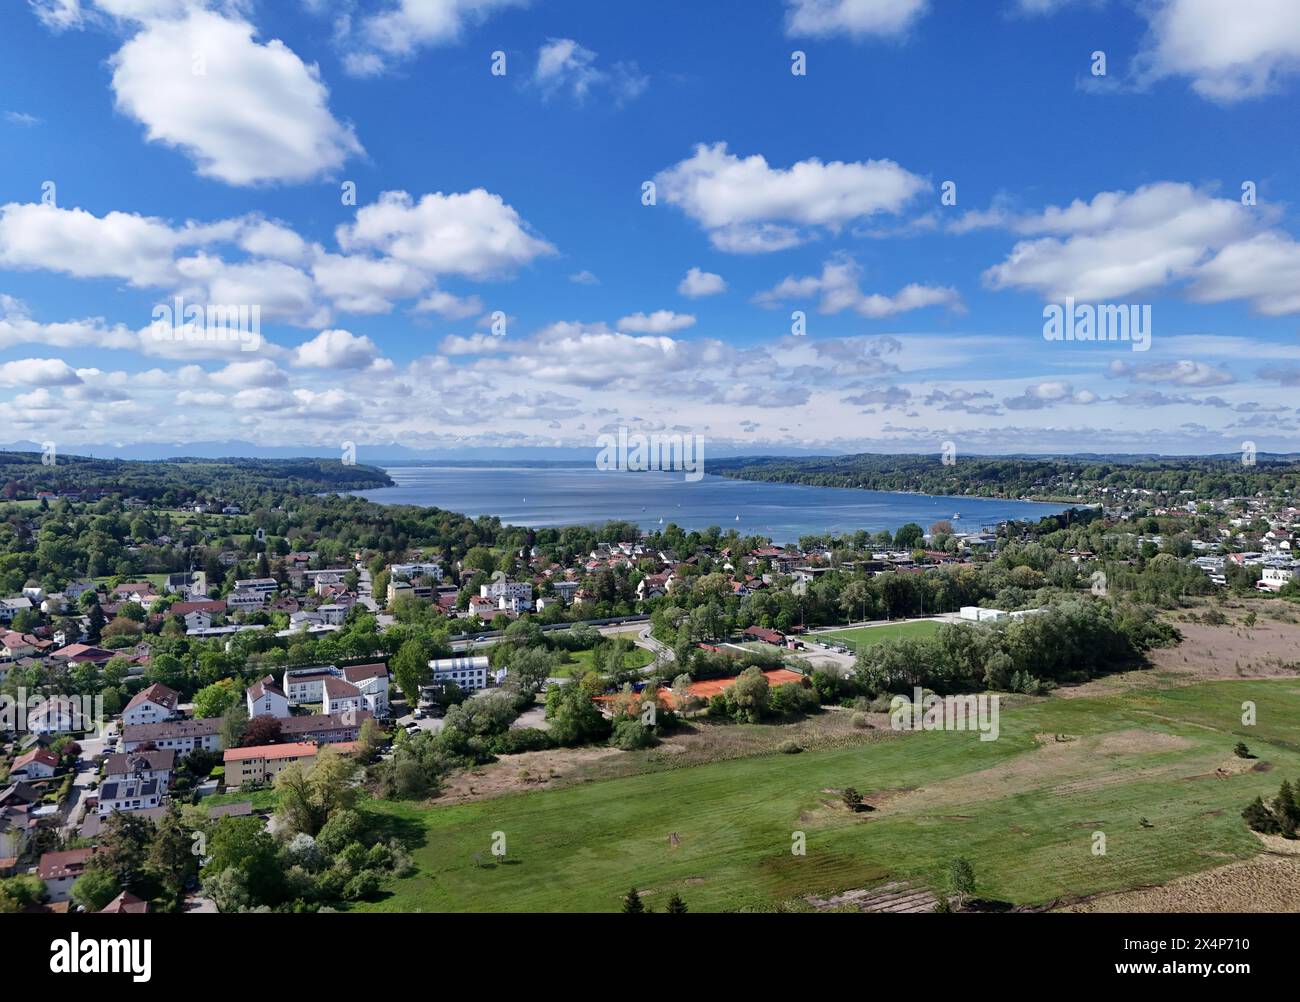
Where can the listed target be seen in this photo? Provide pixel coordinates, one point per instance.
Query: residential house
(484, 608)
(58, 715)
(152, 705)
(263, 586)
(39, 763)
(245, 601)
(468, 673)
(324, 728)
(10, 607)
(129, 795)
(181, 735)
(80, 653)
(20, 795)
(125, 903)
(266, 699)
(60, 870)
(372, 681)
(341, 697)
(307, 685)
(155, 765)
(261, 763)
(1275, 578)
(512, 591)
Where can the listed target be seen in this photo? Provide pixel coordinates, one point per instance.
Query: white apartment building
(469, 673)
(512, 591)
(416, 570)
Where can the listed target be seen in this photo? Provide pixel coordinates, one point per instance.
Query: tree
(908, 536)
(676, 906)
(530, 668)
(95, 888)
(750, 694)
(171, 856)
(215, 700)
(263, 730)
(632, 903)
(410, 668)
(961, 879)
(17, 893)
(124, 848)
(95, 622)
(311, 795)
(241, 845)
(234, 725)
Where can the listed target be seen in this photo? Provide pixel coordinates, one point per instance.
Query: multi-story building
(155, 765)
(372, 681)
(306, 685)
(511, 591)
(412, 571)
(263, 586)
(468, 673)
(152, 705)
(183, 736)
(266, 699)
(129, 795)
(262, 763)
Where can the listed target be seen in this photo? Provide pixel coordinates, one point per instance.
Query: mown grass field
(1022, 808)
(865, 636)
(580, 662)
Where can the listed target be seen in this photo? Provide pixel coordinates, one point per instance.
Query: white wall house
(372, 682)
(266, 699)
(428, 570)
(469, 673)
(129, 795)
(341, 696)
(307, 685)
(152, 705)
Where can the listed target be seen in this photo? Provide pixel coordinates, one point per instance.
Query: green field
(1021, 808)
(580, 662)
(865, 636)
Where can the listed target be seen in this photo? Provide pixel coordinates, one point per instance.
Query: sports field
(1151, 768)
(865, 636)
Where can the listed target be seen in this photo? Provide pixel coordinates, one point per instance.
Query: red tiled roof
(54, 865)
(156, 693)
(301, 749)
(40, 755)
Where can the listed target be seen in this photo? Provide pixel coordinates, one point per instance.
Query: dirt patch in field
(1235, 767)
(1268, 883)
(530, 771)
(1068, 766)
(1135, 742)
(891, 897)
(1270, 649)
(1267, 650)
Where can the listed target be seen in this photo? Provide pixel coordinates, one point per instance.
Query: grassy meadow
(1141, 767)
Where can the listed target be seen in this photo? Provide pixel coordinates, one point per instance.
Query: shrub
(631, 735)
(520, 739)
(789, 748)
(860, 721)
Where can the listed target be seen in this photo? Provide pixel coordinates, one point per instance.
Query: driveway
(76, 802)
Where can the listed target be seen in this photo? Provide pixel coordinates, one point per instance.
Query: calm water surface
(551, 496)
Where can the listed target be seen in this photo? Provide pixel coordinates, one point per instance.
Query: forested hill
(1033, 477)
(238, 481)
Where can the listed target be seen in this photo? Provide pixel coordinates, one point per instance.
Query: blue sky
(200, 149)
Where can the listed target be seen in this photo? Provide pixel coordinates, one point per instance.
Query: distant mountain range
(401, 454)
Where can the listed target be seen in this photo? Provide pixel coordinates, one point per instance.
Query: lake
(557, 496)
